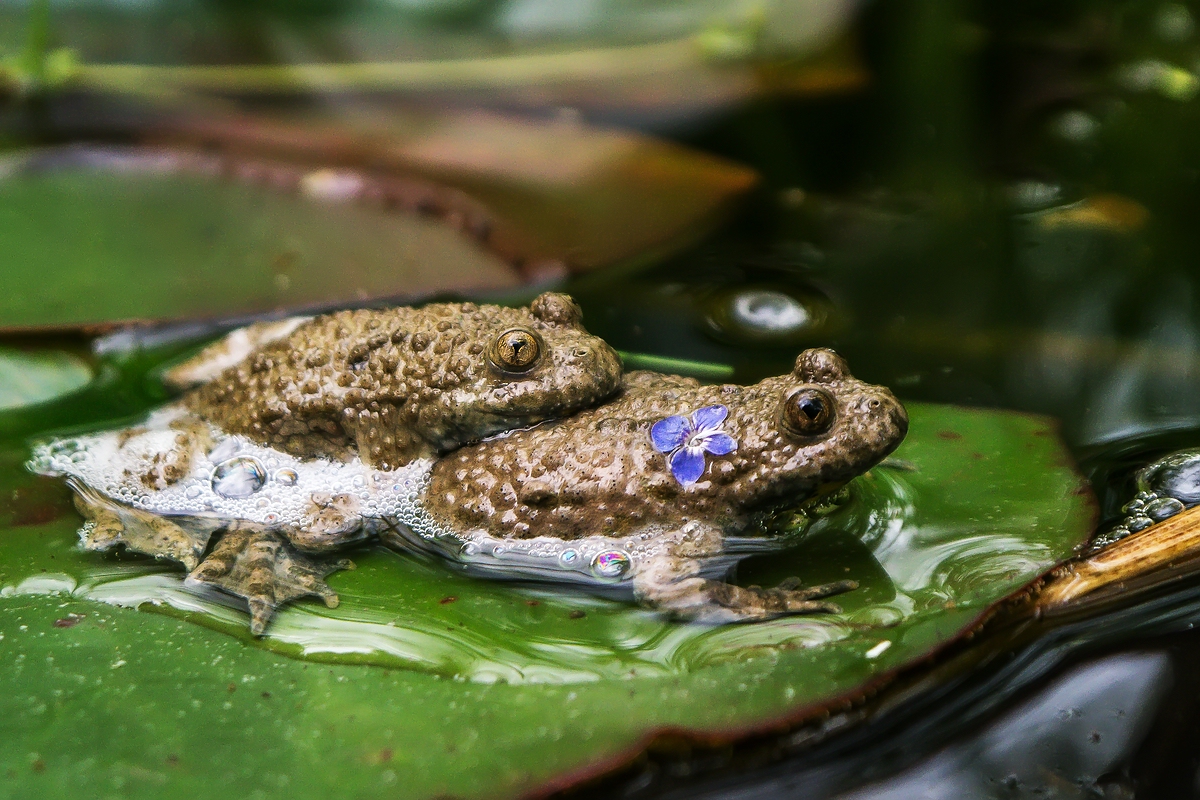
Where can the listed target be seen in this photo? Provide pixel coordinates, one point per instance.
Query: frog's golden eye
(808, 412)
(516, 350)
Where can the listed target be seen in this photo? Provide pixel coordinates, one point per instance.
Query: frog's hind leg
(262, 567)
(110, 523)
(674, 585)
(230, 349)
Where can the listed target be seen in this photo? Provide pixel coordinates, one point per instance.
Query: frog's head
(538, 363)
(798, 435)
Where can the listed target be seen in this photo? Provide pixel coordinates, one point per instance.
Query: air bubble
(611, 564)
(223, 451)
(287, 477)
(238, 477)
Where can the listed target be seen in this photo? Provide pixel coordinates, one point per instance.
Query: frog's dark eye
(516, 350)
(808, 412)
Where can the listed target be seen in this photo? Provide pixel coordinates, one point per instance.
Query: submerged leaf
(35, 376)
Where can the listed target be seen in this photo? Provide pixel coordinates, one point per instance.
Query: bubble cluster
(1166, 487)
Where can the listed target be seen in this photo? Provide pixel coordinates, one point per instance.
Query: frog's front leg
(263, 567)
(673, 584)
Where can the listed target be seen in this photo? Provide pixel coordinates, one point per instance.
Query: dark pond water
(1005, 213)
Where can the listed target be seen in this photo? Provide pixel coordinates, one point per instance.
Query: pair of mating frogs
(507, 440)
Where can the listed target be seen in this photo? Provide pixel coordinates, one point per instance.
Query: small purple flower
(686, 440)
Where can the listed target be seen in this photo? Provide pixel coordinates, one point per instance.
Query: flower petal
(719, 444)
(669, 433)
(709, 417)
(687, 464)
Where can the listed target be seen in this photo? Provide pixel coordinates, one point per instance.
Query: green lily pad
(424, 683)
(199, 244)
(36, 376)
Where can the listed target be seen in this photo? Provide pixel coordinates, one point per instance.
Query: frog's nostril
(581, 352)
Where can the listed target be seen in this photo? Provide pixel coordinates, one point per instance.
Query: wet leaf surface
(425, 683)
(139, 238)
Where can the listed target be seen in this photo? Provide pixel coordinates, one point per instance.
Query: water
(1002, 216)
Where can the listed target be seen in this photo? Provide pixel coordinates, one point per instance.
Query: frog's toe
(812, 607)
(261, 611)
(101, 534)
(792, 587)
(262, 567)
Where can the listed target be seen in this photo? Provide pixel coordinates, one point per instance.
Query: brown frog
(651, 489)
(402, 383)
(285, 422)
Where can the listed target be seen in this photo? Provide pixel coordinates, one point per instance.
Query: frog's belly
(603, 563)
(230, 479)
(225, 477)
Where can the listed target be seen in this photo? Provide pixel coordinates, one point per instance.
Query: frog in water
(349, 392)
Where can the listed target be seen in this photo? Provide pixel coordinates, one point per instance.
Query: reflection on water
(1064, 742)
(616, 641)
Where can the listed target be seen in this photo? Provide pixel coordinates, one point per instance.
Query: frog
(659, 491)
(355, 389)
(651, 495)
(390, 386)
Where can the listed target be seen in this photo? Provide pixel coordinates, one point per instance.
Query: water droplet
(611, 564)
(1163, 508)
(1176, 475)
(1138, 523)
(569, 557)
(769, 311)
(287, 477)
(238, 477)
(224, 451)
(1132, 506)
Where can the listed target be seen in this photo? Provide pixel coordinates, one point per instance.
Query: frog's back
(717, 454)
(395, 384)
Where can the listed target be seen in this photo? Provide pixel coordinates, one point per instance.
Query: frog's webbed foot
(262, 567)
(755, 602)
(110, 523)
(673, 585)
